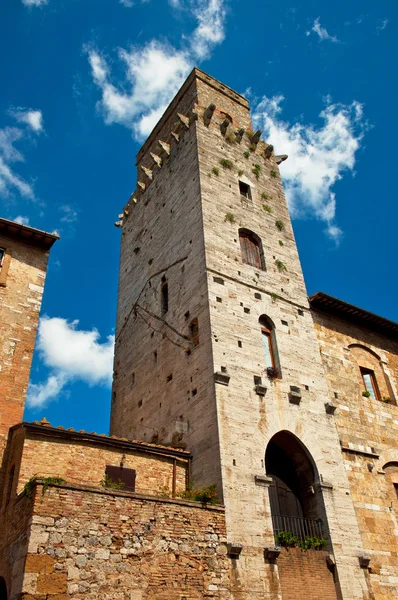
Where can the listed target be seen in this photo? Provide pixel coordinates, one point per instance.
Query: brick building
(225, 372)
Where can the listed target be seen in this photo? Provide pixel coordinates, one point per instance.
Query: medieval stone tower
(215, 343)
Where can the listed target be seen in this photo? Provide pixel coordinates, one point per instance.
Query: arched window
(296, 499)
(3, 589)
(268, 339)
(251, 249)
(372, 379)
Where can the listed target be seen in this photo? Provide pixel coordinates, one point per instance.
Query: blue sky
(83, 82)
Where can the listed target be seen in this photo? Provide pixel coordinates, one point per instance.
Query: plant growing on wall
(387, 400)
(256, 170)
(280, 266)
(281, 243)
(107, 482)
(230, 218)
(206, 495)
(240, 172)
(227, 164)
(366, 394)
(273, 173)
(267, 208)
(47, 481)
(264, 196)
(215, 171)
(280, 225)
(246, 154)
(286, 539)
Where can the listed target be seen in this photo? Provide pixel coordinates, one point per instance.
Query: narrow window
(155, 358)
(133, 380)
(120, 478)
(164, 295)
(396, 489)
(267, 347)
(245, 191)
(2, 254)
(370, 384)
(251, 249)
(194, 331)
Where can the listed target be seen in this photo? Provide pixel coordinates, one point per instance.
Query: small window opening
(120, 476)
(133, 380)
(396, 489)
(2, 254)
(223, 369)
(246, 310)
(257, 380)
(239, 344)
(164, 295)
(218, 299)
(245, 191)
(194, 331)
(370, 383)
(169, 377)
(155, 358)
(139, 403)
(194, 392)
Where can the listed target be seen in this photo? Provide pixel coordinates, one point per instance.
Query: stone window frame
(365, 371)
(4, 265)
(267, 327)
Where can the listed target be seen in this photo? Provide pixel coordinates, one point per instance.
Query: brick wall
(20, 300)
(368, 431)
(304, 575)
(48, 452)
(115, 546)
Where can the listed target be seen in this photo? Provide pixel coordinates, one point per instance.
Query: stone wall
(118, 546)
(21, 290)
(368, 431)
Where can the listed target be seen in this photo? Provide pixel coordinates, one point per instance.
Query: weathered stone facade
(228, 374)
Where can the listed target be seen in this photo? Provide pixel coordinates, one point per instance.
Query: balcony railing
(298, 526)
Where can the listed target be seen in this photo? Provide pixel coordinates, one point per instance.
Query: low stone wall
(304, 575)
(90, 544)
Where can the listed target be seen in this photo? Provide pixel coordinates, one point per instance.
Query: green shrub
(267, 208)
(273, 173)
(286, 539)
(206, 495)
(280, 225)
(215, 171)
(227, 164)
(366, 394)
(107, 482)
(280, 266)
(256, 170)
(230, 218)
(246, 154)
(281, 243)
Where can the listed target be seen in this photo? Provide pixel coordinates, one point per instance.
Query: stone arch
(296, 498)
(3, 589)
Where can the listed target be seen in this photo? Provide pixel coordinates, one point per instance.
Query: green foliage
(164, 492)
(288, 540)
(51, 481)
(281, 243)
(246, 154)
(267, 208)
(264, 196)
(240, 172)
(280, 266)
(230, 218)
(366, 394)
(107, 482)
(273, 173)
(280, 225)
(215, 171)
(387, 400)
(28, 487)
(206, 495)
(227, 164)
(256, 170)
(208, 174)
(274, 296)
(47, 481)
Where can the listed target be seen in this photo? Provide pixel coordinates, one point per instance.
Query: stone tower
(215, 344)
(24, 254)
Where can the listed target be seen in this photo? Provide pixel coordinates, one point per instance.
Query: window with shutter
(251, 249)
(121, 475)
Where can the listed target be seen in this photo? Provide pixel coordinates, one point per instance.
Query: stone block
(52, 584)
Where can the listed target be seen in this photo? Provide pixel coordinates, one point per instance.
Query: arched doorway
(3, 589)
(295, 495)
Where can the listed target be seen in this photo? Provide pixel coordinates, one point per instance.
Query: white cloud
(321, 32)
(156, 71)
(127, 3)
(33, 118)
(9, 180)
(318, 155)
(72, 354)
(383, 25)
(210, 30)
(69, 214)
(22, 220)
(34, 2)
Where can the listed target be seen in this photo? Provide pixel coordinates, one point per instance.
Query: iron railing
(298, 526)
